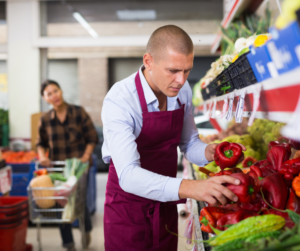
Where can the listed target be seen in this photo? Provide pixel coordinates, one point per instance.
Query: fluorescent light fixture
(130, 15)
(85, 24)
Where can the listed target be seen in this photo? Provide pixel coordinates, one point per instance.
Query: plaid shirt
(68, 139)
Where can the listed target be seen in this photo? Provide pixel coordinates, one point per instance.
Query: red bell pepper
(40, 172)
(249, 161)
(275, 190)
(246, 190)
(265, 167)
(288, 222)
(277, 143)
(228, 155)
(229, 172)
(295, 144)
(256, 205)
(232, 206)
(211, 215)
(277, 155)
(290, 169)
(232, 218)
(293, 202)
(255, 173)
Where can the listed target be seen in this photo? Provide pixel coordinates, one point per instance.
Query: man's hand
(44, 161)
(211, 149)
(211, 190)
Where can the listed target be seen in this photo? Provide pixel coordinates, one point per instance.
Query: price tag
(210, 109)
(213, 114)
(204, 108)
(240, 107)
(256, 101)
(225, 107)
(229, 113)
(5, 180)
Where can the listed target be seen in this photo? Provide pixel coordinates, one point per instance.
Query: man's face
(170, 72)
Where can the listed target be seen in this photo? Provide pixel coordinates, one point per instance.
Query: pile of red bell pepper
(277, 178)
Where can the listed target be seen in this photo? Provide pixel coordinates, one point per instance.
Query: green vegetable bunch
(244, 26)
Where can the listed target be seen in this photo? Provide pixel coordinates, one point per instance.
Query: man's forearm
(186, 189)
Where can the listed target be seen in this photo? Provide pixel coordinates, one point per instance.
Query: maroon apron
(133, 223)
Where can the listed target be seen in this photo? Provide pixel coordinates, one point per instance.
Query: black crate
(241, 73)
(205, 94)
(223, 83)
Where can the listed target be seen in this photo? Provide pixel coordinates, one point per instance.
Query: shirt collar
(149, 94)
(69, 110)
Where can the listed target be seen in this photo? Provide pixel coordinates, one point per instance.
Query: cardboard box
(35, 118)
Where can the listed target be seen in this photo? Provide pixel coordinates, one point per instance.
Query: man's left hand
(211, 149)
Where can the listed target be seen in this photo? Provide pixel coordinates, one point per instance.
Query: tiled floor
(50, 237)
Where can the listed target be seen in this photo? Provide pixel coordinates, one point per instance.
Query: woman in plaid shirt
(67, 132)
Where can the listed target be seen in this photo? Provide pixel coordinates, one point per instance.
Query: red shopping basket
(13, 223)
(13, 235)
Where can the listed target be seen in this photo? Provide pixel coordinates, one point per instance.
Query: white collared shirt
(122, 123)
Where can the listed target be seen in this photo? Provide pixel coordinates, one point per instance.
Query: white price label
(204, 108)
(225, 107)
(5, 180)
(229, 113)
(240, 109)
(213, 114)
(256, 100)
(210, 109)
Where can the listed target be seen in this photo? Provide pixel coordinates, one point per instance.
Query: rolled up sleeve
(88, 128)
(42, 139)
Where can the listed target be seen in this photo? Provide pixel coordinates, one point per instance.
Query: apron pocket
(134, 226)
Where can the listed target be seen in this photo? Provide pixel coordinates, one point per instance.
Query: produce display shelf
(278, 97)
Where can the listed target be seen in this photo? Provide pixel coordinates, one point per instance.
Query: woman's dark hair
(46, 83)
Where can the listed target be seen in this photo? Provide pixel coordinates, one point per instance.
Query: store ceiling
(105, 10)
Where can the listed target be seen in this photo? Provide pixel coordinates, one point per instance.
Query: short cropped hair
(172, 37)
(47, 83)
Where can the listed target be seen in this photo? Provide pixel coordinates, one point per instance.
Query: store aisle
(51, 238)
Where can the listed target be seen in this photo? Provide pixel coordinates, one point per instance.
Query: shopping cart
(39, 209)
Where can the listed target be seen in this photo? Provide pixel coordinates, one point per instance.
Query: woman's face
(53, 95)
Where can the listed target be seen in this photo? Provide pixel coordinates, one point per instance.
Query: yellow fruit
(260, 40)
(235, 58)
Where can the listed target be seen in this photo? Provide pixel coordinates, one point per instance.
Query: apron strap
(140, 91)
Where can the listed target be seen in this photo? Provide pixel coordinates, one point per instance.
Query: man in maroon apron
(141, 141)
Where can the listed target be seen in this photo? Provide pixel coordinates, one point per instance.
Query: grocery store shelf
(278, 97)
(237, 7)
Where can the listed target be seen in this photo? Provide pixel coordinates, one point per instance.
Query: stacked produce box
(256, 58)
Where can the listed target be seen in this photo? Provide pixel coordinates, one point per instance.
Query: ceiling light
(130, 15)
(85, 24)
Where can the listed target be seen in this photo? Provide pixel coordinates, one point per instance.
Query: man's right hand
(45, 162)
(211, 190)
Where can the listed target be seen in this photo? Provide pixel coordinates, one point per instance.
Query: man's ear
(148, 61)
